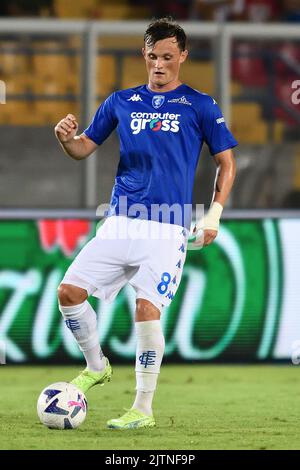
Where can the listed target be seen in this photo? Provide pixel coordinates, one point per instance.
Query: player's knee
(146, 311)
(71, 295)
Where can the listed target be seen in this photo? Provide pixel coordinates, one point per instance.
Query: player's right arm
(77, 147)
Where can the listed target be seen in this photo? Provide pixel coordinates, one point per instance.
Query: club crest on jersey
(158, 101)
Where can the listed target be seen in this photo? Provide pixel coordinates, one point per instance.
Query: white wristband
(212, 219)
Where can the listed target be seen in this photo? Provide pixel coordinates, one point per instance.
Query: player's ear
(183, 55)
(144, 52)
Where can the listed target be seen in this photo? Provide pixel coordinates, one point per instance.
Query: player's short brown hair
(164, 28)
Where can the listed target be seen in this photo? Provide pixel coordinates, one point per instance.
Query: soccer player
(161, 127)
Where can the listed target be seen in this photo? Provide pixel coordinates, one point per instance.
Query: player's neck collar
(164, 92)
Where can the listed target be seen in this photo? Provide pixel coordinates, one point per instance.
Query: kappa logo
(135, 97)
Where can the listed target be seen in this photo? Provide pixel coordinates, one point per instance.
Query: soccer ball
(62, 406)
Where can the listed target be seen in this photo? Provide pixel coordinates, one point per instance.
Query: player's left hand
(207, 228)
(209, 236)
(206, 237)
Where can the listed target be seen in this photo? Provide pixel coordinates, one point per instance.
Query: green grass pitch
(196, 407)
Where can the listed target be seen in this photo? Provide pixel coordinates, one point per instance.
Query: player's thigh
(99, 268)
(160, 271)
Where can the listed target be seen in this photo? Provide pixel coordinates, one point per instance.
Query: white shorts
(146, 254)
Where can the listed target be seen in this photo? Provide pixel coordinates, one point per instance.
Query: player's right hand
(66, 129)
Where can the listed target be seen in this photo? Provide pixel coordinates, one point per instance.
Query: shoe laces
(132, 413)
(84, 374)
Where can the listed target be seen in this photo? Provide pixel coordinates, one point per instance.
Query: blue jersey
(161, 136)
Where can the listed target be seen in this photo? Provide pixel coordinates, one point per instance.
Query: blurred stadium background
(239, 298)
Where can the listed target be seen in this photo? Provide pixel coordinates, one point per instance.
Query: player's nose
(158, 64)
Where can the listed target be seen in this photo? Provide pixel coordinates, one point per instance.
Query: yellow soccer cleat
(133, 419)
(87, 379)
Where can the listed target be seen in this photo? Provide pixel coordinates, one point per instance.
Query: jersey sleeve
(216, 133)
(104, 121)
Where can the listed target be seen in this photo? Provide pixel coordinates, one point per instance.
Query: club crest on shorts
(158, 101)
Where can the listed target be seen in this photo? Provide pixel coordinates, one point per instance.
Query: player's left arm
(225, 175)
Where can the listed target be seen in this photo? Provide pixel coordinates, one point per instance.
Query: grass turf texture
(196, 407)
